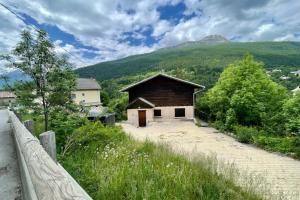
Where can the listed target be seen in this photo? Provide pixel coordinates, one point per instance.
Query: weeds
(110, 165)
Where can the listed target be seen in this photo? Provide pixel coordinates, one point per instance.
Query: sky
(102, 30)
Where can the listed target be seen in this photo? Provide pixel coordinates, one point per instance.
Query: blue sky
(97, 31)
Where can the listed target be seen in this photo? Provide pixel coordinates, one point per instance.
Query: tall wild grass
(110, 165)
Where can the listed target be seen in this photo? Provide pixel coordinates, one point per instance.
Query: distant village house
(296, 73)
(161, 97)
(7, 98)
(297, 89)
(87, 92)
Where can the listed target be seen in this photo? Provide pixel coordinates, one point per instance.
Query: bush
(219, 125)
(245, 134)
(63, 124)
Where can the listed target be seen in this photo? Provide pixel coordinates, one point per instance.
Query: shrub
(219, 125)
(63, 124)
(276, 143)
(245, 134)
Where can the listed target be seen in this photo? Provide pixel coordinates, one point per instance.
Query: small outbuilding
(161, 97)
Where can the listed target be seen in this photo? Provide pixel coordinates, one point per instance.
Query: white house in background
(296, 73)
(297, 89)
(283, 77)
(87, 92)
(276, 70)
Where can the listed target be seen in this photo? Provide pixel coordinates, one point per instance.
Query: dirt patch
(4, 170)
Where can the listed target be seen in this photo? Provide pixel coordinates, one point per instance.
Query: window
(179, 112)
(157, 113)
(82, 94)
(73, 96)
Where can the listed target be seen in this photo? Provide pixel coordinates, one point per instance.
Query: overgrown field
(110, 165)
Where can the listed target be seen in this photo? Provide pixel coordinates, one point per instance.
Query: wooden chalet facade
(161, 97)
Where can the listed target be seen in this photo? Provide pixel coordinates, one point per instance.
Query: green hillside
(273, 54)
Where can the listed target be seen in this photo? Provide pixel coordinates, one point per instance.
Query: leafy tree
(52, 78)
(292, 113)
(245, 95)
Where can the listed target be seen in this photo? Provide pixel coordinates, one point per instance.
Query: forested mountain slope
(197, 55)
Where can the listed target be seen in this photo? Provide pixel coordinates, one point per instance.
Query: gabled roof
(140, 102)
(166, 76)
(7, 94)
(87, 84)
(297, 89)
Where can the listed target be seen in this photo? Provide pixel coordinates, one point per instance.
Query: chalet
(161, 97)
(87, 92)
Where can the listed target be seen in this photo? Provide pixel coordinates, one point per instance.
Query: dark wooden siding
(163, 91)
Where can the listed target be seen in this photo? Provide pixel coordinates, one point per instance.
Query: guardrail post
(48, 141)
(29, 124)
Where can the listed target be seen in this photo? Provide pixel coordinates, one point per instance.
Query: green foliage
(244, 94)
(104, 98)
(119, 107)
(288, 145)
(51, 77)
(210, 59)
(245, 134)
(109, 165)
(292, 114)
(64, 124)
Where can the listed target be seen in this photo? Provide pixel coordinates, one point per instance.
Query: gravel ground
(279, 173)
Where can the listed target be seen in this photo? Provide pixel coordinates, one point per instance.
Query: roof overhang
(143, 103)
(166, 76)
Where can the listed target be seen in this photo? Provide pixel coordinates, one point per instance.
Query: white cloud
(103, 24)
(263, 29)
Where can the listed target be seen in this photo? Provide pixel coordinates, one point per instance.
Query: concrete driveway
(281, 174)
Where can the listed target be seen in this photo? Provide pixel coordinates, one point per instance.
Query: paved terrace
(279, 173)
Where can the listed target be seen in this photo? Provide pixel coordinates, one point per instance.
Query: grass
(110, 165)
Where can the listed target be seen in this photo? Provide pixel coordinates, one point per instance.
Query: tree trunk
(46, 120)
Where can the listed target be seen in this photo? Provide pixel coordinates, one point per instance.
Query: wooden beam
(49, 180)
(48, 141)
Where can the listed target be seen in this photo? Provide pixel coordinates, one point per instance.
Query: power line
(36, 29)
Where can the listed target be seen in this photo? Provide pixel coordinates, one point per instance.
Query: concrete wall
(167, 113)
(87, 97)
(7, 101)
(133, 116)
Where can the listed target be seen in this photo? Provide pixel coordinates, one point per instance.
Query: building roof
(166, 76)
(140, 102)
(7, 94)
(296, 72)
(87, 84)
(297, 89)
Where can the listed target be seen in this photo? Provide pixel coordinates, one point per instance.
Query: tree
(245, 95)
(292, 114)
(51, 77)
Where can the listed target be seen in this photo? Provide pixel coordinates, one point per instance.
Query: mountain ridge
(196, 55)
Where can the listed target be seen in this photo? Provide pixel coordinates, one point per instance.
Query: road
(279, 175)
(10, 183)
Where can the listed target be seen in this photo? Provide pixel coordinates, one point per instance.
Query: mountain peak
(214, 39)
